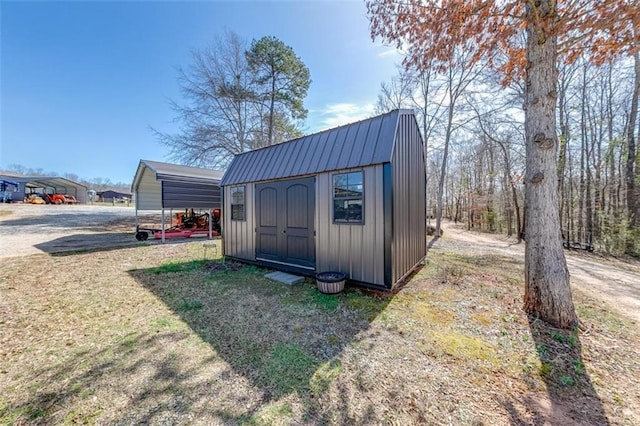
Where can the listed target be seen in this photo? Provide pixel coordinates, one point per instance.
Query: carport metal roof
(159, 185)
(176, 172)
(49, 182)
(45, 182)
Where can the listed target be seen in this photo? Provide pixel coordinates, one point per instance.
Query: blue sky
(81, 82)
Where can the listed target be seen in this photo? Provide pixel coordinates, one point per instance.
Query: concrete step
(283, 277)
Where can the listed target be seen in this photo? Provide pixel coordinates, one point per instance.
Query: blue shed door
(285, 213)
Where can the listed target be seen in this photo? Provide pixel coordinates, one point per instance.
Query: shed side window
(347, 197)
(237, 203)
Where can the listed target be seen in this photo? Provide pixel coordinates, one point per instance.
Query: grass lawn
(157, 334)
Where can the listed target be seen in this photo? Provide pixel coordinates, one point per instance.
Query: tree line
(481, 132)
(514, 137)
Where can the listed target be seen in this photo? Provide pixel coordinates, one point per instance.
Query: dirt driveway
(29, 229)
(616, 281)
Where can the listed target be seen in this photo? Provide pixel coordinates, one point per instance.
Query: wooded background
(483, 188)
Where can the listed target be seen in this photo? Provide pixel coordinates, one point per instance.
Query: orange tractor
(54, 198)
(187, 224)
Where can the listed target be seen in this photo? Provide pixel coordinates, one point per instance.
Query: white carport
(159, 186)
(49, 184)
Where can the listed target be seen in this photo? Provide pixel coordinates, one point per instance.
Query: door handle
(284, 231)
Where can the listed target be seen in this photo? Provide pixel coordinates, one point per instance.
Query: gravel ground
(29, 229)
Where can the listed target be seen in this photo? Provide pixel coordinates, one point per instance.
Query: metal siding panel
(409, 236)
(250, 249)
(369, 243)
(149, 192)
(182, 195)
(356, 250)
(228, 231)
(239, 235)
(322, 224)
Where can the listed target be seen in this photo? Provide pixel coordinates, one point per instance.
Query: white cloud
(334, 115)
(391, 52)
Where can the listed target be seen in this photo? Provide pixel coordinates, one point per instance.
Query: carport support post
(210, 224)
(162, 224)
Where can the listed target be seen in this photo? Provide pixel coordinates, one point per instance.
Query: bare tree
(396, 93)
(224, 113)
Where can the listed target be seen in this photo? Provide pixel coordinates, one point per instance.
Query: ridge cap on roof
(163, 163)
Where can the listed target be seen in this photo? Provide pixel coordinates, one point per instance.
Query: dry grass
(160, 335)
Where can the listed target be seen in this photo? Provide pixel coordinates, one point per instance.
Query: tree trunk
(564, 137)
(633, 202)
(583, 155)
(272, 103)
(547, 290)
(519, 225)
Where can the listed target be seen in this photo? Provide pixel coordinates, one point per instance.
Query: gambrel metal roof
(359, 144)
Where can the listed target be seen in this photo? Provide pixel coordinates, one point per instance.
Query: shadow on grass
(572, 397)
(239, 348)
(84, 243)
(285, 340)
(74, 381)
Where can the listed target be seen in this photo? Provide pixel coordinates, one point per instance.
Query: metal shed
(160, 186)
(349, 199)
(49, 184)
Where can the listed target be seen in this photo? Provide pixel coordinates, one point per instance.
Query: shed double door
(285, 222)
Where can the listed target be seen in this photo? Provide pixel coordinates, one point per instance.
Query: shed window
(237, 203)
(347, 197)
